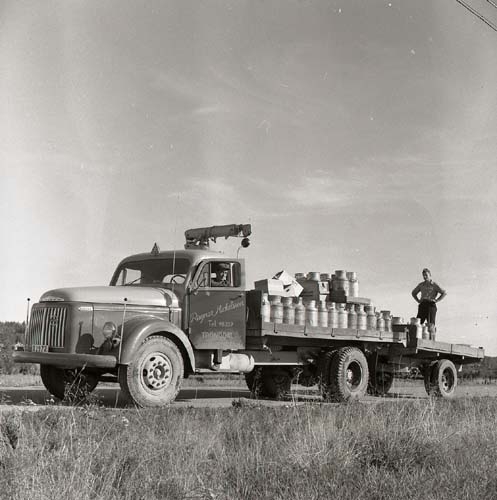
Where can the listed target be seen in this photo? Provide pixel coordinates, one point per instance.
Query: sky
(356, 135)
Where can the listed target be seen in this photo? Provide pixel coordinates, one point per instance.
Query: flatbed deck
(400, 342)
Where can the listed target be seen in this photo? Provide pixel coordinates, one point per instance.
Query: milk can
(342, 316)
(351, 317)
(370, 317)
(288, 310)
(313, 276)
(332, 315)
(380, 322)
(322, 313)
(353, 284)
(388, 320)
(311, 313)
(265, 308)
(419, 328)
(341, 282)
(361, 317)
(299, 276)
(299, 312)
(276, 309)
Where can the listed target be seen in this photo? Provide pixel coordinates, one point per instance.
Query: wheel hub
(447, 381)
(157, 371)
(354, 375)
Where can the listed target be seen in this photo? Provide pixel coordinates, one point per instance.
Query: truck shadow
(110, 397)
(215, 397)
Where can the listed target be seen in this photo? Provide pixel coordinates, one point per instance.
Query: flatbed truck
(164, 317)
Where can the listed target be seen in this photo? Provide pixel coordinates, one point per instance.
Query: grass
(423, 449)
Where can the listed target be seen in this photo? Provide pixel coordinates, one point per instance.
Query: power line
(477, 14)
(492, 3)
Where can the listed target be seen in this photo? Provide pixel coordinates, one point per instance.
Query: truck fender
(137, 329)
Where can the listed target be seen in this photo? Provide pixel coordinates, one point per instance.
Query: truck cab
(212, 312)
(164, 316)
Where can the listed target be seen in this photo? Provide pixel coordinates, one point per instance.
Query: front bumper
(64, 360)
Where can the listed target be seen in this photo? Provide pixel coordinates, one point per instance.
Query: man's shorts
(427, 310)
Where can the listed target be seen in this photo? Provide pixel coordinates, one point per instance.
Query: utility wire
(492, 3)
(477, 14)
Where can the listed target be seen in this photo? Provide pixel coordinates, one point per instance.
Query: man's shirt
(429, 290)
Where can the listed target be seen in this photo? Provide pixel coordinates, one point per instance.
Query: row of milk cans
(294, 311)
(340, 280)
(423, 331)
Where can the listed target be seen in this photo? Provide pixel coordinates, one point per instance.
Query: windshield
(155, 272)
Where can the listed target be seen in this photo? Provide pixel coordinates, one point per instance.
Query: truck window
(219, 275)
(155, 272)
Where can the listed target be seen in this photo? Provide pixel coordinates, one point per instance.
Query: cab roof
(193, 255)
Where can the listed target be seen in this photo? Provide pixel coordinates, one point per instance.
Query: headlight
(109, 330)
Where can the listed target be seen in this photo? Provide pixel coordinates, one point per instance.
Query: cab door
(217, 314)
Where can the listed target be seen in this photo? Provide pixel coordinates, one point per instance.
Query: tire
(269, 382)
(348, 374)
(153, 377)
(441, 380)
(380, 383)
(276, 382)
(252, 379)
(68, 385)
(324, 385)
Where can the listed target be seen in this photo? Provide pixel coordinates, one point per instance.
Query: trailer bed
(400, 342)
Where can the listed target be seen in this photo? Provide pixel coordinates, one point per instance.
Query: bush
(11, 333)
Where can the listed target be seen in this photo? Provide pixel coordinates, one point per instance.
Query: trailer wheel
(348, 374)
(324, 363)
(380, 383)
(269, 381)
(153, 377)
(68, 385)
(440, 379)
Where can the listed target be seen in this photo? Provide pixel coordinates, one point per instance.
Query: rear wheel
(252, 380)
(440, 379)
(69, 385)
(154, 376)
(380, 382)
(348, 374)
(324, 385)
(269, 381)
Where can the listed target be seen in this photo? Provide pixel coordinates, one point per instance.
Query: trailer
(348, 363)
(168, 315)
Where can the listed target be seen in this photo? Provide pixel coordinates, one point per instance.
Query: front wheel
(153, 377)
(69, 385)
(440, 379)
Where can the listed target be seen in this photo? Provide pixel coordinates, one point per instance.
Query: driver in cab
(222, 277)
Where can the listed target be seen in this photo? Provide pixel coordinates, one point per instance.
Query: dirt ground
(36, 397)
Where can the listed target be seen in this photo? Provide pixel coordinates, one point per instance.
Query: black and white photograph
(248, 249)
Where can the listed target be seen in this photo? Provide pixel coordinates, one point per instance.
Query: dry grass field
(401, 449)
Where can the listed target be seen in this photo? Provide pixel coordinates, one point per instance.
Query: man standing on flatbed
(431, 293)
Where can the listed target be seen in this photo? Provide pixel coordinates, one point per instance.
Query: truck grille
(46, 328)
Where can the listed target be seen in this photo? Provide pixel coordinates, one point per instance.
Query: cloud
(210, 110)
